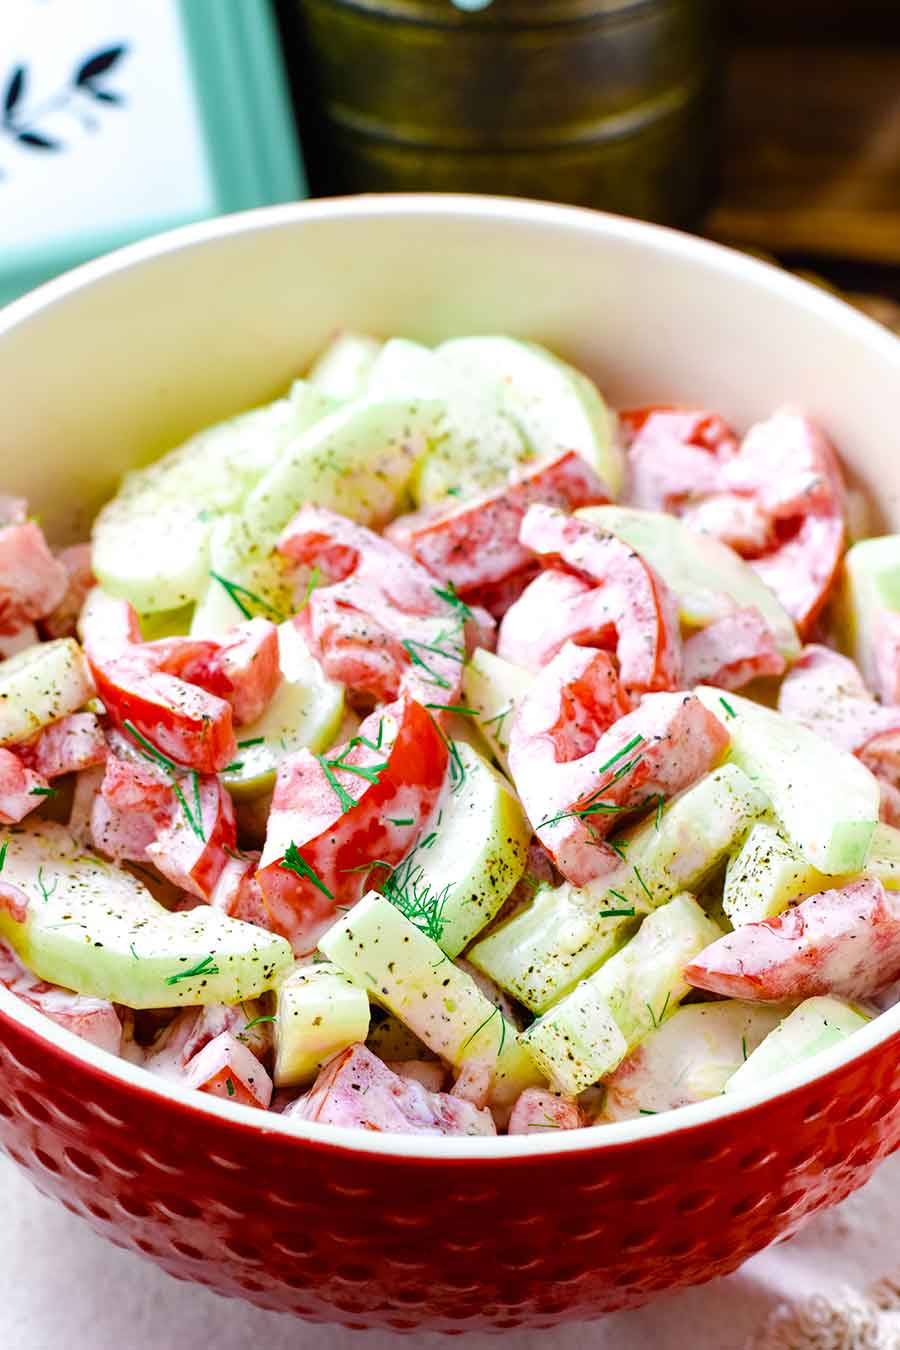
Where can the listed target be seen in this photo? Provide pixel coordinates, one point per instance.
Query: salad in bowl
(436, 750)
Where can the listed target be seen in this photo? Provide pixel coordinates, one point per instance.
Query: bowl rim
(511, 212)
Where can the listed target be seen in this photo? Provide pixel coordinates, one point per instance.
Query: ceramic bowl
(117, 361)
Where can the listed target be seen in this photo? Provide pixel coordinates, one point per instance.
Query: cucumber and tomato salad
(382, 761)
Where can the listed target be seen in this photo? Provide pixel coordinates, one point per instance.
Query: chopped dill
(172, 769)
(643, 885)
(235, 593)
(315, 578)
(254, 740)
(400, 820)
(454, 708)
(449, 596)
(42, 792)
(499, 718)
(727, 706)
(407, 891)
(642, 1110)
(133, 952)
(256, 1021)
(293, 861)
(627, 912)
(234, 767)
(618, 848)
(229, 1083)
(45, 893)
(660, 802)
(495, 1012)
(744, 1047)
(205, 967)
(409, 646)
(3, 853)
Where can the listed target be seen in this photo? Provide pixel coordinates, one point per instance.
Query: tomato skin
(567, 752)
(625, 604)
(357, 1090)
(380, 627)
(668, 424)
(477, 545)
(731, 651)
(189, 861)
(333, 843)
(844, 941)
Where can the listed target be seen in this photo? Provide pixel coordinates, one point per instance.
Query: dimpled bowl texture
(118, 361)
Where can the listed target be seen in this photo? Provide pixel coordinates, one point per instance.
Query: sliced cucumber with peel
(826, 800)
(816, 1025)
(541, 953)
(591, 1030)
(318, 1013)
(40, 685)
(151, 541)
(342, 368)
(493, 687)
(707, 577)
(245, 578)
(94, 928)
(406, 971)
(477, 445)
(555, 406)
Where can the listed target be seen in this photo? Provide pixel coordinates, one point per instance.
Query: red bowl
(409, 1232)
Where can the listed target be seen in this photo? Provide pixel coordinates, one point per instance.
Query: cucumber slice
(305, 711)
(766, 875)
(883, 861)
(408, 973)
(708, 578)
(689, 1058)
(94, 928)
(826, 801)
(591, 1031)
(319, 1012)
(478, 853)
(41, 684)
(493, 687)
(477, 444)
(555, 406)
(341, 370)
(543, 951)
(245, 578)
(816, 1025)
(390, 1040)
(357, 461)
(151, 541)
(871, 585)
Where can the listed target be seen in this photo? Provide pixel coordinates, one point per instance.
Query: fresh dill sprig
(205, 967)
(413, 896)
(618, 848)
(293, 861)
(235, 593)
(449, 596)
(657, 1021)
(409, 645)
(172, 769)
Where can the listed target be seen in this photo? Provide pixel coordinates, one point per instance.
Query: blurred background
(771, 126)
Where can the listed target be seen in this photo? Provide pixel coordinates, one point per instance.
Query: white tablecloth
(830, 1288)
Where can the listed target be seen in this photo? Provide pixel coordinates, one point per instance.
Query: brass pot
(608, 103)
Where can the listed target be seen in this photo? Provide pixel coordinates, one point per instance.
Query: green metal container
(609, 103)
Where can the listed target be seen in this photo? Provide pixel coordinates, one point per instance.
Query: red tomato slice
(32, 582)
(384, 626)
(666, 744)
(328, 822)
(192, 851)
(844, 942)
(627, 598)
(673, 454)
(537, 1110)
(63, 619)
(73, 743)
(731, 651)
(477, 544)
(21, 789)
(228, 1068)
(357, 1090)
(93, 1019)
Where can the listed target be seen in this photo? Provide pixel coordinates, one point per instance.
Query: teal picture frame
(250, 138)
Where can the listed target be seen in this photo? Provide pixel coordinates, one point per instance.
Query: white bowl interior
(116, 362)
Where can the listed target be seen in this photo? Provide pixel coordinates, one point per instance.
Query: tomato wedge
(477, 545)
(73, 743)
(21, 789)
(93, 1019)
(625, 606)
(577, 766)
(32, 581)
(844, 942)
(333, 817)
(731, 651)
(673, 454)
(384, 626)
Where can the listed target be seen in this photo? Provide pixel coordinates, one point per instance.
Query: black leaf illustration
(37, 142)
(14, 90)
(98, 63)
(103, 95)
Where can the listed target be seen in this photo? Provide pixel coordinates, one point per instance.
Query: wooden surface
(811, 162)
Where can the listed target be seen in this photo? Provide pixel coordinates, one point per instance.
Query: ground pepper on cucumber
(380, 761)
